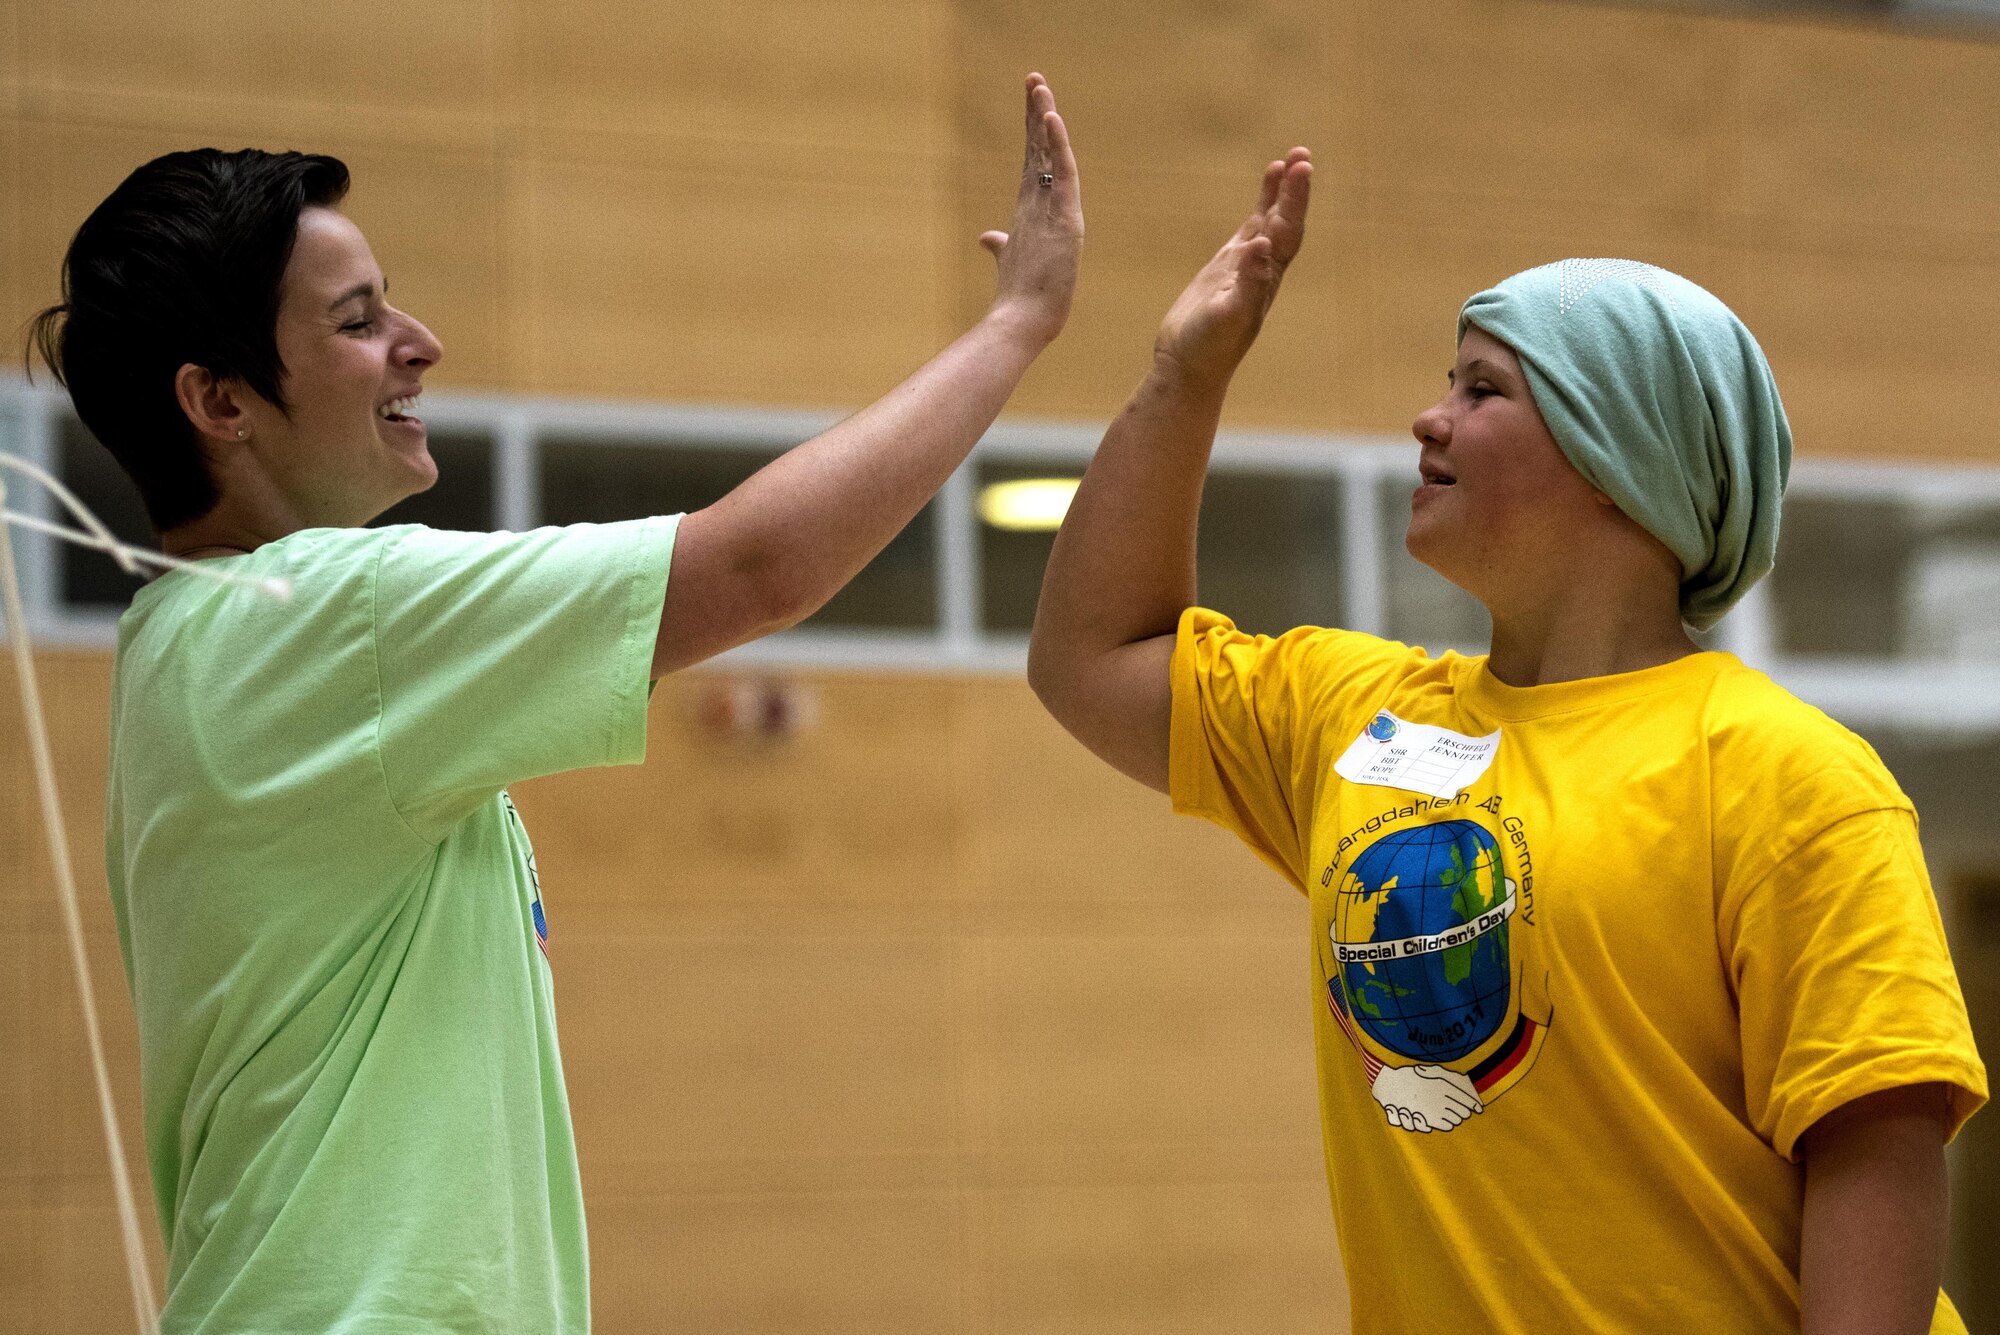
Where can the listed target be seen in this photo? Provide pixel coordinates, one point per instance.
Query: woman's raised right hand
(1216, 318)
(1038, 258)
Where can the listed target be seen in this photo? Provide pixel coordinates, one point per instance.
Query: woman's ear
(211, 404)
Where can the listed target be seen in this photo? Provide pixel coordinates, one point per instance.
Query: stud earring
(240, 434)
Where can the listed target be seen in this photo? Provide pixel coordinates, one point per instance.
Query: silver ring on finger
(1047, 179)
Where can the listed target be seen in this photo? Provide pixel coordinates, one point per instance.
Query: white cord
(138, 1270)
(126, 557)
(276, 586)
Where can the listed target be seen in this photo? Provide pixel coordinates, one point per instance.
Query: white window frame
(1950, 699)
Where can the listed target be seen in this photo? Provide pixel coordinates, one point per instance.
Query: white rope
(97, 536)
(276, 587)
(126, 557)
(130, 559)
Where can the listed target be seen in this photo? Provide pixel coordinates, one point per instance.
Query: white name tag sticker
(1416, 757)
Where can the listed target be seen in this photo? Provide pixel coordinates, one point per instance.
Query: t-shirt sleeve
(1844, 983)
(1249, 715)
(504, 656)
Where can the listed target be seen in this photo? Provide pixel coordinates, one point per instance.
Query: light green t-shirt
(331, 921)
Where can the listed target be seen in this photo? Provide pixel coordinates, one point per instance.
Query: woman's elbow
(1048, 669)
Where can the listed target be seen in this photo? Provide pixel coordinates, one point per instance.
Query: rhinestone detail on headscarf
(1579, 278)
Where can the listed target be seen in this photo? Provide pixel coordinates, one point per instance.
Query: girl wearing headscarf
(1633, 1009)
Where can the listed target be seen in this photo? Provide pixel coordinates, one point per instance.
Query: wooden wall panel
(429, 59)
(792, 1044)
(64, 171)
(23, 1288)
(1191, 89)
(1172, 121)
(1875, 354)
(1531, 131)
(865, 75)
(75, 691)
(10, 45)
(1521, 115)
(13, 305)
(55, 1179)
(1866, 241)
(1103, 1039)
(1022, 780)
(25, 1079)
(782, 1263)
(1181, 1254)
(860, 810)
(679, 269)
(1888, 162)
(1149, 231)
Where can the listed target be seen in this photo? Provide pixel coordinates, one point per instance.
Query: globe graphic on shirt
(1426, 1000)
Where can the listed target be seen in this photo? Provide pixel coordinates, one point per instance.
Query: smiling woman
(182, 264)
(344, 444)
(1613, 939)
(330, 910)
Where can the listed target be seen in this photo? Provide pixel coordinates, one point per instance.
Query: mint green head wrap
(1660, 397)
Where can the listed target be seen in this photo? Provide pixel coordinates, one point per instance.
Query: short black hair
(183, 262)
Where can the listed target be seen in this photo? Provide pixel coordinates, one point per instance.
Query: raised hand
(1038, 258)
(1216, 318)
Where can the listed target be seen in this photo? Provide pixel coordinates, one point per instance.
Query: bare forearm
(1873, 1238)
(771, 552)
(816, 515)
(1123, 567)
(1122, 571)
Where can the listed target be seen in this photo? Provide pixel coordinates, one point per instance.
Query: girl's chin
(1417, 538)
(1426, 544)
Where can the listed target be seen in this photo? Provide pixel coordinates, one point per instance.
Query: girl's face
(1498, 496)
(352, 444)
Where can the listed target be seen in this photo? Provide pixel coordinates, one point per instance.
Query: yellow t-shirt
(1587, 960)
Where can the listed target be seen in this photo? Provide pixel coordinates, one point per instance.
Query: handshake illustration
(1425, 1098)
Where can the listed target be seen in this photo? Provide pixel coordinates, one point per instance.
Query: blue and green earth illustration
(1439, 1004)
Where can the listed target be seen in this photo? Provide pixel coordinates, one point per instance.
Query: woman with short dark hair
(181, 265)
(354, 1104)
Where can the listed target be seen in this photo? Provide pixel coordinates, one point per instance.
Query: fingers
(1461, 1095)
(1048, 146)
(1285, 219)
(1281, 203)
(1062, 162)
(1049, 177)
(1037, 88)
(1414, 1119)
(1040, 102)
(1267, 194)
(1294, 187)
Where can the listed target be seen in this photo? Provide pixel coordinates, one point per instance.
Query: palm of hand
(1037, 259)
(1216, 318)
